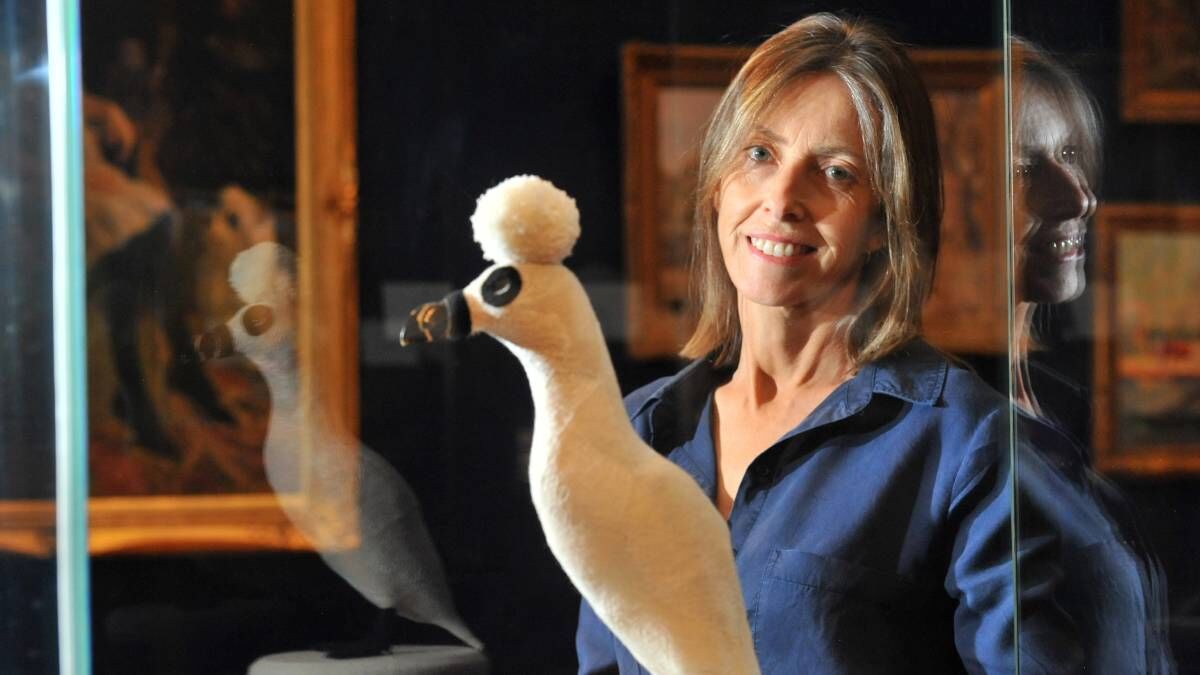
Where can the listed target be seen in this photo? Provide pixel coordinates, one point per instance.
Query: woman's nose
(1059, 193)
(786, 195)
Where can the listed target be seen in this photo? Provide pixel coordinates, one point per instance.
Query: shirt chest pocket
(820, 614)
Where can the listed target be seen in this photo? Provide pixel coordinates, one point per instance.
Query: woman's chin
(1054, 290)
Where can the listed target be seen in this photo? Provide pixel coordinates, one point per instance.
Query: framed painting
(670, 92)
(1147, 353)
(1160, 61)
(668, 95)
(965, 313)
(208, 128)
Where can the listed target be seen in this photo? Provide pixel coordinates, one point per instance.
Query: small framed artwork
(669, 95)
(209, 128)
(965, 313)
(1147, 354)
(1160, 60)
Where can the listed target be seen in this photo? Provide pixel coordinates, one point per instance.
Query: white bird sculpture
(633, 532)
(394, 565)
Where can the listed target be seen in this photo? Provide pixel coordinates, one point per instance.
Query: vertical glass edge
(1010, 309)
(70, 390)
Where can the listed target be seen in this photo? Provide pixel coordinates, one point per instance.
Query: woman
(1112, 586)
(862, 474)
(1057, 154)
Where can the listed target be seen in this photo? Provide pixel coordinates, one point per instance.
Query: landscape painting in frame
(669, 95)
(1148, 339)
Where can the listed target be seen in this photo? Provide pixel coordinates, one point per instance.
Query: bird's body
(392, 562)
(635, 534)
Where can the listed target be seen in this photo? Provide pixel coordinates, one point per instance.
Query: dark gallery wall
(453, 97)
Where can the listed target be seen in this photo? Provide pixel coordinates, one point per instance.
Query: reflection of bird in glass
(394, 564)
(635, 534)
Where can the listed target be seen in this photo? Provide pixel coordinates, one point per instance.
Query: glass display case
(220, 456)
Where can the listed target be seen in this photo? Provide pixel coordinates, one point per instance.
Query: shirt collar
(916, 372)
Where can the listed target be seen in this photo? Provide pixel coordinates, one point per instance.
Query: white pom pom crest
(526, 219)
(264, 273)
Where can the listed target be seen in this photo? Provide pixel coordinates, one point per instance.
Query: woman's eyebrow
(824, 149)
(768, 135)
(832, 150)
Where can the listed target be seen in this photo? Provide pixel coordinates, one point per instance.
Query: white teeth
(773, 248)
(1068, 243)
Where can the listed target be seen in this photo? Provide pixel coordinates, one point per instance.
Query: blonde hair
(900, 143)
(1037, 72)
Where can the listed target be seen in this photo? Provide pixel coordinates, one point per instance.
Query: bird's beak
(214, 344)
(447, 319)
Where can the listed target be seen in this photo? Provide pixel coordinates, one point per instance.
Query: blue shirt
(874, 537)
(1112, 586)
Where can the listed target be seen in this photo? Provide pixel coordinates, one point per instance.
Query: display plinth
(403, 660)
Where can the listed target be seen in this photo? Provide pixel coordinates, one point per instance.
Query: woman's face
(794, 214)
(1054, 203)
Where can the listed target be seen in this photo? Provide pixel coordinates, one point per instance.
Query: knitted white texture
(634, 532)
(525, 219)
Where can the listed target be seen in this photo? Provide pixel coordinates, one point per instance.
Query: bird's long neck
(305, 451)
(292, 418)
(572, 384)
(280, 371)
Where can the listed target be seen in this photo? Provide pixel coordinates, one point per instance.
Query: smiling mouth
(779, 249)
(1066, 243)
(1063, 248)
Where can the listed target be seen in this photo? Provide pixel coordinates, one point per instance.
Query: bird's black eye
(257, 319)
(501, 287)
(232, 219)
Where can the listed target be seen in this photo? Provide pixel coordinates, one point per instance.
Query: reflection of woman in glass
(861, 473)
(1057, 135)
(1111, 586)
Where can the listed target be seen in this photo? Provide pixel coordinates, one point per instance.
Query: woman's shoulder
(638, 399)
(945, 392)
(936, 377)
(688, 388)
(665, 412)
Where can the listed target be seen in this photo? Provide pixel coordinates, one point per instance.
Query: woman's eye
(758, 153)
(838, 173)
(1069, 154)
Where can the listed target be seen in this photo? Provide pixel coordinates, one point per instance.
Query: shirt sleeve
(594, 644)
(981, 576)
